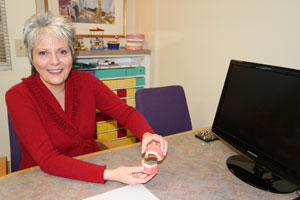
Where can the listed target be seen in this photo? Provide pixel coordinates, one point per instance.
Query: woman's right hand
(127, 175)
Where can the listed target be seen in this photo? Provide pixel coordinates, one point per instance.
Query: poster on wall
(109, 15)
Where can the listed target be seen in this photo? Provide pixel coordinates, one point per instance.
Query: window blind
(5, 57)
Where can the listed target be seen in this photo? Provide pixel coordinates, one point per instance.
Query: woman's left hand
(149, 138)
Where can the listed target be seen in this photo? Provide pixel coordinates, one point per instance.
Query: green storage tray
(140, 81)
(109, 73)
(140, 70)
(131, 71)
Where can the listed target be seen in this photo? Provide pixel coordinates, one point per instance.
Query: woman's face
(52, 59)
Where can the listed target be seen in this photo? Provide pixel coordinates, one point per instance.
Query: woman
(53, 110)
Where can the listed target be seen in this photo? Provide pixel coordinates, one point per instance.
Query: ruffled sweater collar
(65, 121)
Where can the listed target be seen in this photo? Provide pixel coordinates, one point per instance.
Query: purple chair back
(165, 109)
(15, 149)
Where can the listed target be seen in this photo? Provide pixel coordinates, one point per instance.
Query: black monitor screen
(259, 114)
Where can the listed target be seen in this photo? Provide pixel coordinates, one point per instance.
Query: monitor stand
(257, 176)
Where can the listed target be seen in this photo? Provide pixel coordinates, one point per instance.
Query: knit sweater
(50, 136)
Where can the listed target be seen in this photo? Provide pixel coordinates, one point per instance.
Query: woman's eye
(42, 53)
(63, 52)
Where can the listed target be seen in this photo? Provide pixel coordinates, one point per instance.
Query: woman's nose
(54, 60)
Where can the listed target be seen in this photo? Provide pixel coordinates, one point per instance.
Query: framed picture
(87, 15)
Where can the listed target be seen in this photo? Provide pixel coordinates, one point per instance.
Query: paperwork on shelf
(136, 192)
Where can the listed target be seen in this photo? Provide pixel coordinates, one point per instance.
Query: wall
(147, 22)
(20, 65)
(197, 39)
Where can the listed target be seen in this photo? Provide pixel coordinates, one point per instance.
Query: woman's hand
(127, 175)
(149, 138)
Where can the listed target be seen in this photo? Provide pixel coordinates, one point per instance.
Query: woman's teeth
(55, 70)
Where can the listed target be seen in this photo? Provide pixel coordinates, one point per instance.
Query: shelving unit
(124, 72)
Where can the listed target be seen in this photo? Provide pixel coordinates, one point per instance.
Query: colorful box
(131, 102)
(140, 81)
(106, 126)
(108, 135)
(109, 73)
(110, 83)
(122, 93)
(130, 92)
(131, 71)
(140, 70)
(131, 82)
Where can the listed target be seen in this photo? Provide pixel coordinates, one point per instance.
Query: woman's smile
(55, 71)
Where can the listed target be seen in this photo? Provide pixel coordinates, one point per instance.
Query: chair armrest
(105, 144)
(3, 166)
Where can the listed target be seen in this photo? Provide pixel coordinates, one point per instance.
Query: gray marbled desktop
(192, 169)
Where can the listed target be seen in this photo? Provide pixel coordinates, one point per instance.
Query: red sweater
(50, 137)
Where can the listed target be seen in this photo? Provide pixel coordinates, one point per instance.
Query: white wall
(17, 11)
(197, 39)
(147, 23)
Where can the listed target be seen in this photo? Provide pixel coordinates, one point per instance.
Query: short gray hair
(41, 24)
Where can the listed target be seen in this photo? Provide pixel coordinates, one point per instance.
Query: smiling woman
(55, 120)
(37, 27)
(52, 59)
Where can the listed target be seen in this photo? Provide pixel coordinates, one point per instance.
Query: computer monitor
(259, 115)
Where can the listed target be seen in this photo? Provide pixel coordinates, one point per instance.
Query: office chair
(165, 109)
(15, 149)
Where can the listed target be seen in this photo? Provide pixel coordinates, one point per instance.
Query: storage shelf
(123, 61)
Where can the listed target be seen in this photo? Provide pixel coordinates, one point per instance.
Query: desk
(193, 169)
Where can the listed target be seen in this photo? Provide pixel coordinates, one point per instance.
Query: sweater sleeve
(111, 104)
(24, 114)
